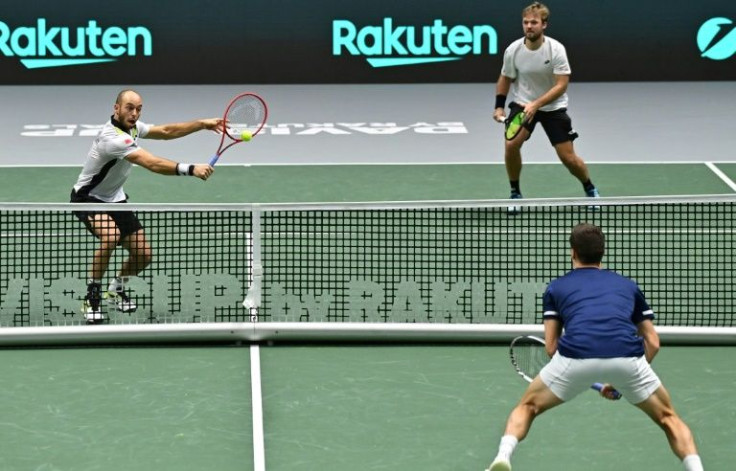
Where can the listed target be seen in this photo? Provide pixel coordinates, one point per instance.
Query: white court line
(259, 447)
(721, 175)
(266, 163)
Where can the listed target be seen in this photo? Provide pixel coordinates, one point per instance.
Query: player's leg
(558, 126)
(537, 399)
(105, 229)
(512, 157)
(512, 152)
(140, 254)
(133, 240)
(658, 407)
(573, 162)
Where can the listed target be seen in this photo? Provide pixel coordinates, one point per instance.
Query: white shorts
(633, 377)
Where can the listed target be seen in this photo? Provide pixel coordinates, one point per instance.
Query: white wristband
(185, 169)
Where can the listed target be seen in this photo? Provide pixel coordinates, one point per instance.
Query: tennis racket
(514, 125)
(244, 118)
(528, 356)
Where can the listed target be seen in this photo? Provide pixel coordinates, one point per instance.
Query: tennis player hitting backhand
(106, 169)
(537, 67)
(609, 336)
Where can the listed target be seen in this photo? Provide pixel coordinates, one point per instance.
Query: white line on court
(721, 175)
(259, 447)
(266, 163)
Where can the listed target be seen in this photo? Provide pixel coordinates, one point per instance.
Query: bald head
(127, 95)
(127, 110)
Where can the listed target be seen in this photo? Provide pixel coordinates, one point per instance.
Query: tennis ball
(246, 136)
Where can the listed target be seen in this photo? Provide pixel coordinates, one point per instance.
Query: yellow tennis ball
(246, 136)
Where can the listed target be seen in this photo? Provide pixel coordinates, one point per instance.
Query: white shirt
(533, 72)
(106, 169)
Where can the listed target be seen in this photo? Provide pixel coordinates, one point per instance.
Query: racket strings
(246, 114)
(530, 358)
(514, 125)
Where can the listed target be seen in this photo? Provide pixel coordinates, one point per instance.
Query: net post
(252, 299)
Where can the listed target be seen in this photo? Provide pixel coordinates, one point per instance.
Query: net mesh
(199, 271)
(461, 263)
(480, 265)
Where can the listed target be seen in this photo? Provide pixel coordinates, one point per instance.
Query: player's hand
(213, 124)
(499, 116)
(608, 392)
(203, 171)
(530, 109)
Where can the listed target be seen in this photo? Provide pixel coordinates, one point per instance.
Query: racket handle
(213, 160)
(599, 387)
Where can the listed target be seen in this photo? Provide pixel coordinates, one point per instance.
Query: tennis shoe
(593, 193)
(91, 305)
(500, 464)
(120, 301)
(92, 312)
(514, 209)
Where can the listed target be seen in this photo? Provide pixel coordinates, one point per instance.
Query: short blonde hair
(537, 8)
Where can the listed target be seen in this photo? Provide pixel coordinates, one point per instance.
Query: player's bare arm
(502, 88)
(177, 130)
(647, 332)
(552, 332)
(164, 166)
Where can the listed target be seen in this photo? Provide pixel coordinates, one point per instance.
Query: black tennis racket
(528, 357)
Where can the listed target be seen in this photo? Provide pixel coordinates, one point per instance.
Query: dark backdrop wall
(293, 41)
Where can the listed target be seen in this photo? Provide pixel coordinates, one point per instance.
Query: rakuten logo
(388, 45)
(56, 46)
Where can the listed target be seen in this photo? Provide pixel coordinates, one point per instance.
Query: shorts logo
(716, 40)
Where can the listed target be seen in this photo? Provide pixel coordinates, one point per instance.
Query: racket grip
(213, 160)
(599, 387)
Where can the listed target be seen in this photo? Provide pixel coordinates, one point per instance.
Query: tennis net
(434, 262)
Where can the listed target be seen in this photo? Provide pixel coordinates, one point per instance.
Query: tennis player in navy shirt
(608, 337)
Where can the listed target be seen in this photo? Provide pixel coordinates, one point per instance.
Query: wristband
(500, 101)
(185, 169)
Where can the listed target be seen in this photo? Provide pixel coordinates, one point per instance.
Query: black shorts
(557, 124)
(126, 221)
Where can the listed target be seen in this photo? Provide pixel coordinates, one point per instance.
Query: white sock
(506, 448)
(117, 283)
(692, 463)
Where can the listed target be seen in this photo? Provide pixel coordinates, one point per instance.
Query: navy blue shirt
(599, 311)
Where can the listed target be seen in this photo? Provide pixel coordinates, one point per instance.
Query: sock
(588, 185)
(118, 283)
(515, 186)
(692, 463)
(506, 448)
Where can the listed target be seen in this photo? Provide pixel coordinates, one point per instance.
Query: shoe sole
(500, 467)
(112, 301)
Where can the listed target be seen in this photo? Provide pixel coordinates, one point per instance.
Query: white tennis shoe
(500, 464)
(92, 314)
(514, 209)
(120, 301)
